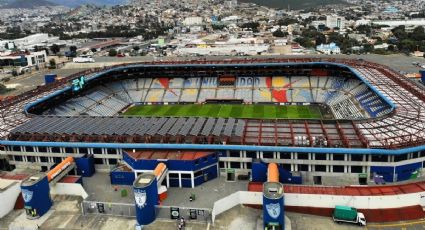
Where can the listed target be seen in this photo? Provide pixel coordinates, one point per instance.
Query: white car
(84, 59)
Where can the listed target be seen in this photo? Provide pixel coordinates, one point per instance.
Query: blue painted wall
(146, 214)
(37, 196)
(273, 211)
(387, 172)
(122, 178)
(174, 182)
(85, 166)
(259, 174)
(259, 171)
(211, 173)
(404, 172)
(174, 165)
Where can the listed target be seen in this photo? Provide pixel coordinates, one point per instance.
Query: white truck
(345, 214)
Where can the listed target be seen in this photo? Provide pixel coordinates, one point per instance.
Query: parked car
(84, 59)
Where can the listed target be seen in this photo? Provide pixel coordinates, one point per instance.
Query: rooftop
(169, 155)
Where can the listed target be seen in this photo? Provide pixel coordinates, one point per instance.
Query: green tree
(52, 63)
(3, 89)
(279, 33)
(364, 29)
(112, 53)
(94, 50)
(251, 25)
(55, 48)
(287, 21)
(368, 48)
(320, 39)
(73, 49)
(305, 42)
(418, 34)
(217, 26)
(407, 45)
(136, 48)
(399, 32)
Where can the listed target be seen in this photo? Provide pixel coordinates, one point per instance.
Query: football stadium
(315, 119)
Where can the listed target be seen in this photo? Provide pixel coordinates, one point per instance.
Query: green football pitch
(226, 111)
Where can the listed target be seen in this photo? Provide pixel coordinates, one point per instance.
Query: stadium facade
(376, 122)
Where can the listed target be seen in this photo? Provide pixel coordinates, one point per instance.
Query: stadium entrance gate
(162, 212)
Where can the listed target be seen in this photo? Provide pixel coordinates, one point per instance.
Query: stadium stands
(348, 97)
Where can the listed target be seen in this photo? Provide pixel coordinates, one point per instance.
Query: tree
(305, 42)
(407, 45)
(3, 89)
(217, 26)
(73, 49)
(286, 21)
(112, 53)
(136, 48)
(368, 48)
(279, 33)
(251, 25)
(418, 34)
(364, 29)
(52, 63)
(320, 39)
(55, 48)
(94, 50)
(399, 32)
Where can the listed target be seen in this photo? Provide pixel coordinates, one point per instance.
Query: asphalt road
(399, 62)
(29, 81)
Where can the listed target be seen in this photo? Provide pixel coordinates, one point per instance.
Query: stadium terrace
(327, 117)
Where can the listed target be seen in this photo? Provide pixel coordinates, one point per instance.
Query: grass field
(225, 111)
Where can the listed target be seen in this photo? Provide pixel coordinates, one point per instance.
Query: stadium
(278, 127)
(318, 118)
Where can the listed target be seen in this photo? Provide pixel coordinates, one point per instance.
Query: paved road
(410, 225)
(400, 62)
(30, 81)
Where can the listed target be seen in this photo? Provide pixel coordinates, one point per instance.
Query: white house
(331, 48)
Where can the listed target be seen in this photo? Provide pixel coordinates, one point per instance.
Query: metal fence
(162, 212)
(108, 208)
(189, 214)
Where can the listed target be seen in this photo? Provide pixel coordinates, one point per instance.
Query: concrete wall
(237, 198)
(360, 202)
(8, 198)
(74, 189)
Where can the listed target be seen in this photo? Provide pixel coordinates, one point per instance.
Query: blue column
(36, 195)
(145, 197)
(273, 205)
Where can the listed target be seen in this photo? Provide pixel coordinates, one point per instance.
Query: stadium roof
(149, 126)
(405, 127)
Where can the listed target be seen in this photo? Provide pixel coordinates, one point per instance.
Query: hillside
(27, 4)
(76, 3)
(294, 4)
